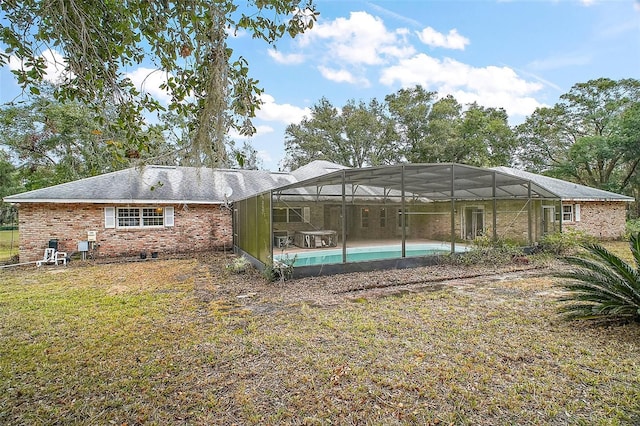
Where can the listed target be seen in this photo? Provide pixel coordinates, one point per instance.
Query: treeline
(591, 136)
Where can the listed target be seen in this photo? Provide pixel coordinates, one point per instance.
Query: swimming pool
(362, 254)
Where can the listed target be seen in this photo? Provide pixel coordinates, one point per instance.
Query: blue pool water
(361, 254)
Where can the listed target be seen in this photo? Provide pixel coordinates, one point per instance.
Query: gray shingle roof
(191, 185)
(160, 184)
(566, 190)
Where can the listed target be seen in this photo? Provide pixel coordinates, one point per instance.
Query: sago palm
(602, 285)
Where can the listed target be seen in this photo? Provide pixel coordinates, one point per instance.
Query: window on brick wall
(571, 212)
(291, 214)
(138, 217)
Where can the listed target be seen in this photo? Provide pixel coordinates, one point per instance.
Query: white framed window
(567, 212)
(138, 217)
(291, 214)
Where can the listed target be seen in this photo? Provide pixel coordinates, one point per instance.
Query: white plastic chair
(49, 256)
(60, 256)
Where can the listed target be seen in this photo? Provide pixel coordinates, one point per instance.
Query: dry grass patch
(170, 342)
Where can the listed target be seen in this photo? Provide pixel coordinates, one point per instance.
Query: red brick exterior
(196, 228)
(605, 221)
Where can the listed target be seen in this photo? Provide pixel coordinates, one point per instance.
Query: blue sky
(518, 55)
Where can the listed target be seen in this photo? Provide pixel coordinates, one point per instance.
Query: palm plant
(602, 285)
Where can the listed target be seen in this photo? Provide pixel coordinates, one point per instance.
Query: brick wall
(196, 228)
(605, 221)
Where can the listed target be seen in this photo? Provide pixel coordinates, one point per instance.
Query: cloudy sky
(517, 55)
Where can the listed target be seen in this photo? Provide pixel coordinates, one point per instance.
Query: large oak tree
(186, 40)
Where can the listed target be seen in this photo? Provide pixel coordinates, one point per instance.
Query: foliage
(632, 227)
(357, 135)
(410, 125)
(602, 285)
(566, 242)
(474, 135)
(239, 265)
(245, 157)
(53, 142)
(281, 269)
(8, 186)
(485, 251)
(184, 40)
(589, 137)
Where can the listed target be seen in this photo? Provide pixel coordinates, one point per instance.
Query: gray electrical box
(83, 245)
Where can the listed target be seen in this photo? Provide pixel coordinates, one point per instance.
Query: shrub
(632, 227)
(485, 251)
(281, 269)
(239, 265)
(602, 285)
(566, 242)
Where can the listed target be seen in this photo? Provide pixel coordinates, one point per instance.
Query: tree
(358, 135)
(444, 131)
(409, 108)
(245, 157)
(8, 186)
(587, 137)
(484, 138)
(53, 142)
(186, 40)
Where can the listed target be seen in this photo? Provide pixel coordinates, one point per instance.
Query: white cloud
(342, 76)
(361, 39)
(284, 113)
(490, 86)
(149, 80)
(433, 38)
(288, 59)
(55, 71)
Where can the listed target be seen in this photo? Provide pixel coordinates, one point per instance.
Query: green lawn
(170, 342)
(8, 245)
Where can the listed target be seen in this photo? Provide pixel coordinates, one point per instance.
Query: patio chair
(49, 256)
(61, 257)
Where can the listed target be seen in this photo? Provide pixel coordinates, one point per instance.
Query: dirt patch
(251, 291)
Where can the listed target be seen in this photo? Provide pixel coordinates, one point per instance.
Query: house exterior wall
(196, 228)
(603, 220)
(432, 221)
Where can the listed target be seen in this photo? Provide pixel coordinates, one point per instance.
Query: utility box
(92, 235)
(83, 245)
